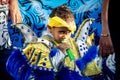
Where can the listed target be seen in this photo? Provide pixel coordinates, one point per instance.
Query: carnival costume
(42, 60)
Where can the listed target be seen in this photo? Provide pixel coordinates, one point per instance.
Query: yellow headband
(58, 22)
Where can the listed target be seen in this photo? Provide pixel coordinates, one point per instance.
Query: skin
(106, 45)
(14, 10)
(60, 34)
(2, 2)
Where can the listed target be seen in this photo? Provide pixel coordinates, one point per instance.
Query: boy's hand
(63, 47)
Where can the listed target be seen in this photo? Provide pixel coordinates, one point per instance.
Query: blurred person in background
(9, 9)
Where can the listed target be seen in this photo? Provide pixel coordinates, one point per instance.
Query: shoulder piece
(50, 39)
(83, 29)
(37, 55)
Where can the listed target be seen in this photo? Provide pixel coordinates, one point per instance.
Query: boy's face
(60, 33)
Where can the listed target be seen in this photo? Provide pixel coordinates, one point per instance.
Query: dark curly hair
(63, 12)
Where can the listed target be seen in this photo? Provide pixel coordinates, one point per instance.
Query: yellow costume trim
(38, 55)
(58, 22)
(81, 26)
(90, 40)
(91, 69)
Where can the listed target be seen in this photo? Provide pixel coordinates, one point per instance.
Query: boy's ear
(49, 28)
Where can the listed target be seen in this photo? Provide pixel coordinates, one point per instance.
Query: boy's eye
(62, 32)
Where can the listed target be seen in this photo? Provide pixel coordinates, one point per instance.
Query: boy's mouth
(63, 41)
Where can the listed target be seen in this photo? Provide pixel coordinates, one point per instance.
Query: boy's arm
(57, 57)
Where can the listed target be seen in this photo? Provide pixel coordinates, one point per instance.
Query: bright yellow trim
(36, 53)
(58, 22)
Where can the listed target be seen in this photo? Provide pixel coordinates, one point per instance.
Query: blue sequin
(42, 40)
(84, 48)
(45, 59)
(36, 54)
(28, 30)
(81, 49)
(80, 45)
(83, 37)
(44, 64)
(85, 33)
(32, 34)
(87, 28)
(22, 27)
(33, 60)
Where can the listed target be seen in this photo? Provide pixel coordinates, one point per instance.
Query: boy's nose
(65, 36)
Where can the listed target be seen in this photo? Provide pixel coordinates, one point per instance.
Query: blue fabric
(43, 75)
(53, 52)
(16, 65)
(4, 54)
(107, 71)
(18, 68)
(88, 57)
(66, 74)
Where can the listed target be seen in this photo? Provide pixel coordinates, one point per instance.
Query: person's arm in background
(15, 11)
(106, 46)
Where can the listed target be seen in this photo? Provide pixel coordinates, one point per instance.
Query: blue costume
(42, 60)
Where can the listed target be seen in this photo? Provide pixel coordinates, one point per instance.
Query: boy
(47, 59)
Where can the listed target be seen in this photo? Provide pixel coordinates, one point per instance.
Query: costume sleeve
(37, 55)
(57, 56)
